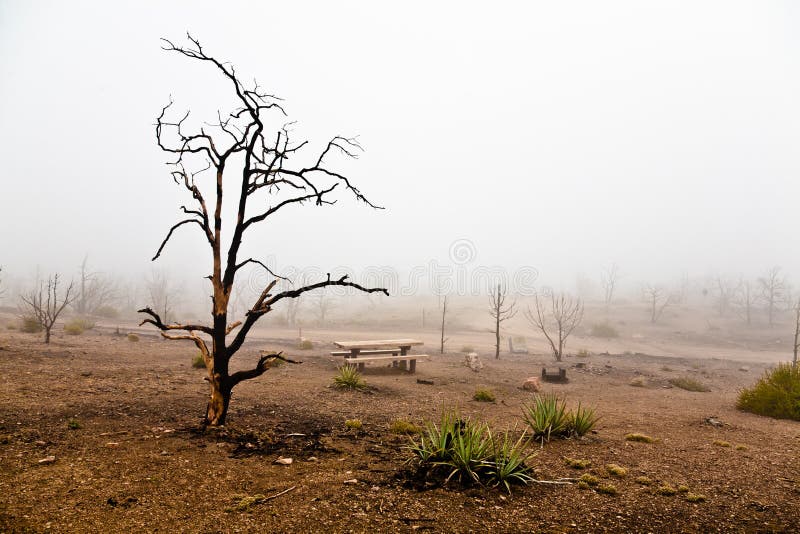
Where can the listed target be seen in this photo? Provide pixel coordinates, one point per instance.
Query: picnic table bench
(394, 350)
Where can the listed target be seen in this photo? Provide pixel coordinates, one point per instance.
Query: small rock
(744, 369)
(47, 460)
(472, 361)
(284, 461)
(40, 443)
(312, 459)
(375, 488)
(532, 384)
(164, 453)
(112, 444)
(351, 481)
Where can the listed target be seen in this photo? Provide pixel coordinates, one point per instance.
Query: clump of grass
(11, 326)
(348, 377)
(245, 502)
(667, 369)
(616, 470)
(695, 497)
(73, 424)
(305, 344)
(108, 312)
(576, 463)
(603, 330)
(401, 426)
(776, 394)
(741, 447)
(198, 362)
(607, 489)
(583, 485)
(133, 338)
(582, 353)
(30, 325)
(466, 451)
(77, 326)
(582, 420)
(353, 424)
(721, 443)
(589, 480)
(638, 382)
(467, 348)
(689, 384)
(644, 481)
(483, 395)
(666, 490)
(641, 438)
(683, 488)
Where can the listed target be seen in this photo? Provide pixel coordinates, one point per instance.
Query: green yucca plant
(508, 461)
(582, 420)
(546, 416)
(348, 377)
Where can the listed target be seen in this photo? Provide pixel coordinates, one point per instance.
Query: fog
(537, 137)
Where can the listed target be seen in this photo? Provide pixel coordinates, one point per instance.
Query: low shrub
(30, 325)
(641, 438)
(695, 497)
(589, 480)
(607, 489)
(689, 384)
(683, 488)
(603, 330)
(467, 348)
(483, 395)
(666, 490)
(77, 326)
(73, 424)
(644, 481)
(353, 424)
(348, 377)
(401, 426)
(305, 344)
(583, 353)
(721, 443)
(776, 394)
(575, 463)
(616, 470)
(198, 362)
(638, 382)
(132, 337)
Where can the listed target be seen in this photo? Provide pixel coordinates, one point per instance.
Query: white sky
(663, 136)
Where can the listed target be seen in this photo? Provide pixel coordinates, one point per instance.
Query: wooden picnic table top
(377, 344)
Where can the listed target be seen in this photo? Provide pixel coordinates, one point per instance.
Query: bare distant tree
(444, 316)
(95, 289)
(500, 312)
(268, 175)
(43, 303)
(608, 280)
(2, 291)
(744, 299)
(556, 317)
(724, 291)
(658, 299)
(162, 294)
(772, 291)
(323, 305)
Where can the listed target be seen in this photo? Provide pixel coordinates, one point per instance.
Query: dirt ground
(138, 462)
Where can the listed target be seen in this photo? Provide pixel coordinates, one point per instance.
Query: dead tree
(2, 291)
(772, 286)
(94, 290)
(658, 299)
(724, 293)
(744, 299)
(556, 319)
(608, 280)
(500, 312)
(444, 317)
(162, 295)
(238, 144)
(323, 305)
(46, 305)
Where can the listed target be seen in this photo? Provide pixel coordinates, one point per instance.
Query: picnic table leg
(354, 356)
(403, 352)
(394, 362)
(412, 367)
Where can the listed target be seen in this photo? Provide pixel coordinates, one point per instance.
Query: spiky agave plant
(508, 464)
(546, 416)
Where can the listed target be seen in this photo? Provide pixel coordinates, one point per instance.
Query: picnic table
(394, 350)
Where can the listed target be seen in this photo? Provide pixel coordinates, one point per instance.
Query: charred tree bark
(261, 169)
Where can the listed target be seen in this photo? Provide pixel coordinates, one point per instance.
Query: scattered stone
(351, 481)
(424, 381)
(313, 459)
(744, 369)
(638, 382)
(40, 443)
(472, 361)
(284, 461)
(532, 384)
(112, 444)
(713, 421)
(47, 460)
